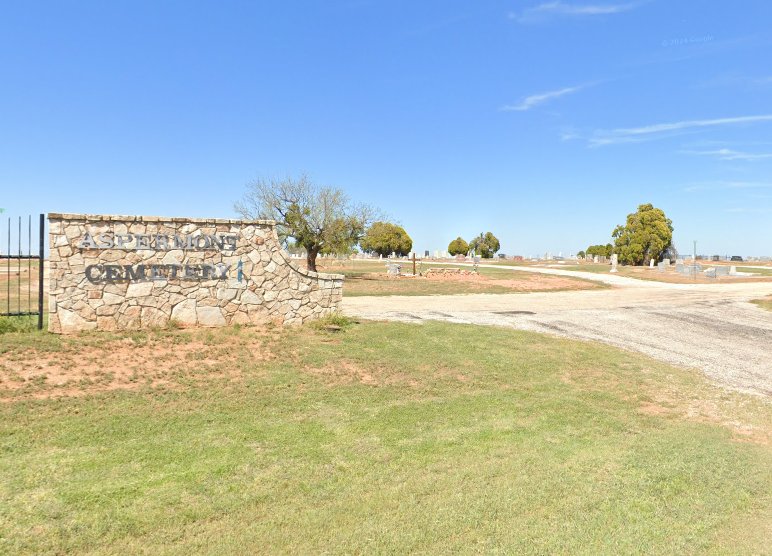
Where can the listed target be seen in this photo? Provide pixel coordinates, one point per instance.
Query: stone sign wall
(127, 272)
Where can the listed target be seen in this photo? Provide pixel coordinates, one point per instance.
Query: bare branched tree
(318, 219)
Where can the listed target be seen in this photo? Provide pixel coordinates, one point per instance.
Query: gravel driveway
(712, 327)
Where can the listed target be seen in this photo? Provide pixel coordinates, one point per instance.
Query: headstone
(661, 267)
(732, 271)
(651, 263)
(393, 269)
(614, 261)
(595, 259)
(710, 272)
(692, 269)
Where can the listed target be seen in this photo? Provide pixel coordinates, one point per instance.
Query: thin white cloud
(547, 10)
(748, 185)
(655, 131)
(736, 80)
(675, 126)
(535, 100)
(569, 134)
(729, 154)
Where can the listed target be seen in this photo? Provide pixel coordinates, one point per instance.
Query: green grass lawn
(380, 438)
(18, 286)
(764, 303)
(596, 268)
(26, 323)
(759, 271)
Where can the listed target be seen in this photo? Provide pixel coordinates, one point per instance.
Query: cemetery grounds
(355, 435)
(755, 273)
(370, 278)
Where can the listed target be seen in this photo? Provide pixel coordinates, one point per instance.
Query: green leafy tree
(647, 234)
(581, 254)
(601, 250)
(316, 219)
(485, 245)
(458, 247)
(385, 238)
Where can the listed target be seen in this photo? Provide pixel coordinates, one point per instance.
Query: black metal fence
(21, 275)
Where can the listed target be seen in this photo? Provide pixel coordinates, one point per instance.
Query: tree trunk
(311, 259)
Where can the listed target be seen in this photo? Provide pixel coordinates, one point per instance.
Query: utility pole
(694, 261)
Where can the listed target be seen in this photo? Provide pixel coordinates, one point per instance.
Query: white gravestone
(614, 261)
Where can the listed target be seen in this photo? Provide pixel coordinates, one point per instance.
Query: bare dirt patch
(436, 283)
(676, 399)
(128, 363)
(343, 372)
(525, 282)
(711, 407)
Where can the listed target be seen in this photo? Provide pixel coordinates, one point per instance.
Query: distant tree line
(646, 235)
(320, 220)
(485, 245)
(600, 250)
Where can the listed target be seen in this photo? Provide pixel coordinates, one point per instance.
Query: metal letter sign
(159, 242)
(112, 273)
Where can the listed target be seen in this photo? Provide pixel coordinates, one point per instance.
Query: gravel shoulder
(711, 327)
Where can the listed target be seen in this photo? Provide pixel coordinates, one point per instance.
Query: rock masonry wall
(126, 272)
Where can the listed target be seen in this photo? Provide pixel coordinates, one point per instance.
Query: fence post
(40, 271)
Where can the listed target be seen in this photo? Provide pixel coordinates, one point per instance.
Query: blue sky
(543, 122)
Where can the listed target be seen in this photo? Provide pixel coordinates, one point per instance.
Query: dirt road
(711, 327)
